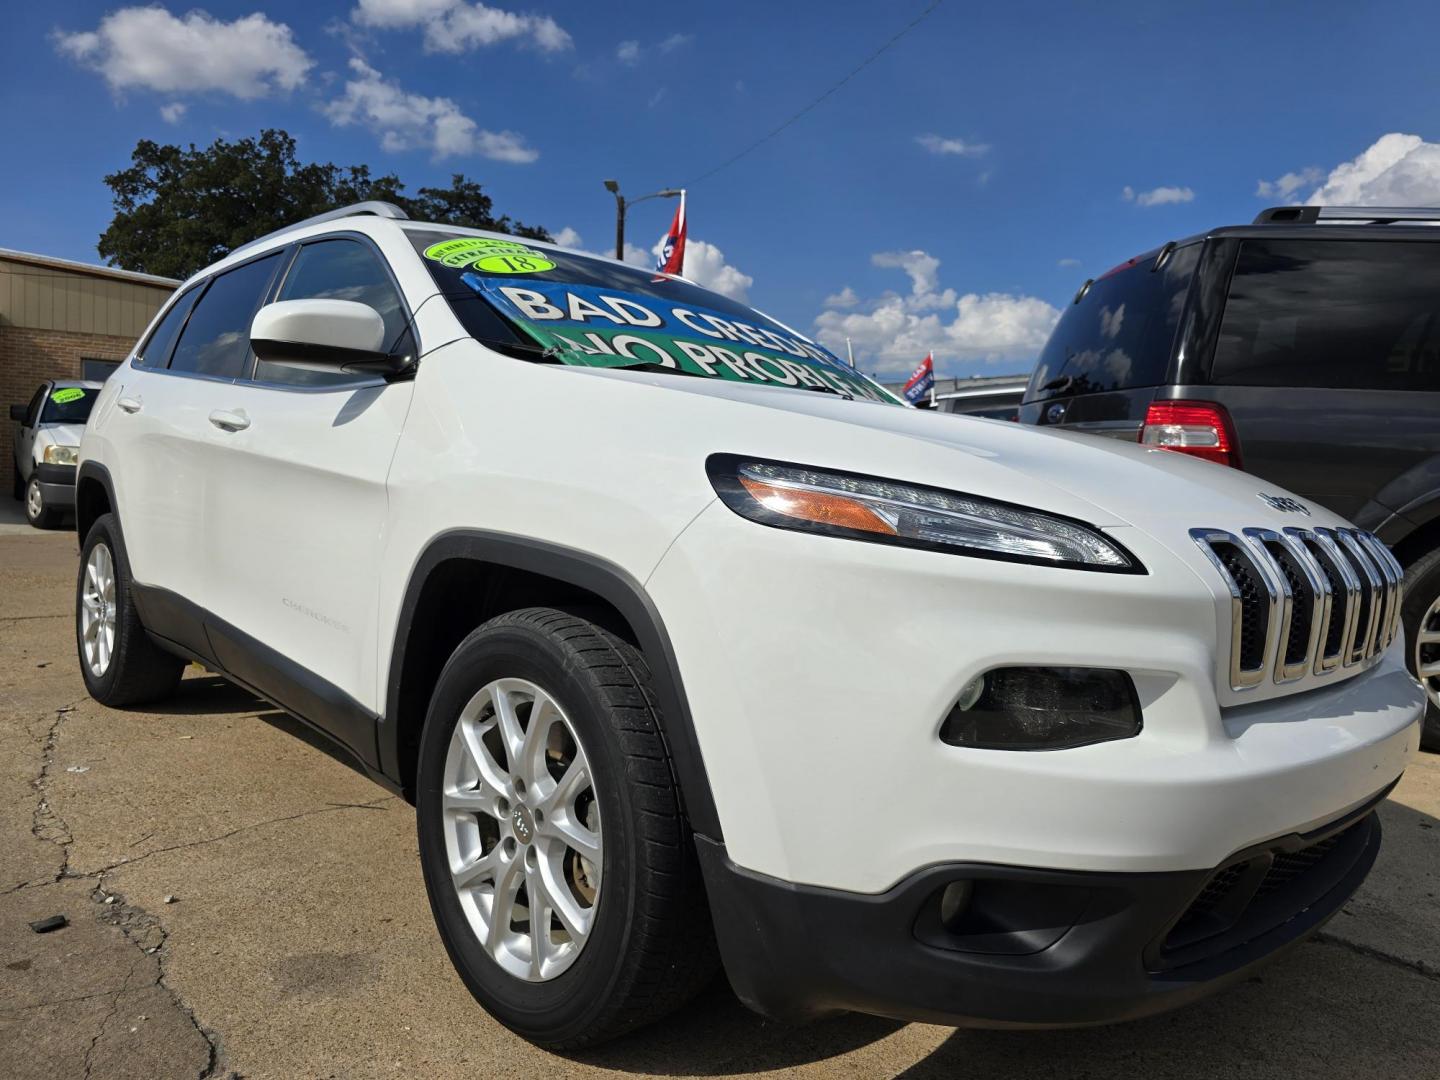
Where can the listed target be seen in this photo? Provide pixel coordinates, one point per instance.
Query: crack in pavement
(1417, 967)
(140, 928)
(22, 618)
(329, 808)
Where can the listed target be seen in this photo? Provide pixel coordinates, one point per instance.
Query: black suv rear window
(1120, 333)
(1349, 314)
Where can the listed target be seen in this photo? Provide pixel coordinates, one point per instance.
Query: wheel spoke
(1428, 637)
(508, 879)
(510, 730)
(1430, 670)
(477, 800)
(572, 784)
(485, 765)
(574, 836)
(573, 917)
(529, 759)
(478, 869)
(540, 907)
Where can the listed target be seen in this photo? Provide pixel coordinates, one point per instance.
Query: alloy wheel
(522, 829)
(1427, 652)
(34, 500)
(97, 610)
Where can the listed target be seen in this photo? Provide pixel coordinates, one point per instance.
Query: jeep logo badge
(1284, 504)
(520, 821)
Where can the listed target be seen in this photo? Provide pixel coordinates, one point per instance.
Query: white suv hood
(1100, 480)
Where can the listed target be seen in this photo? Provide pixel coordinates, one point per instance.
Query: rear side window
(337, 270)
(1121, 332)
(1347, 314)
(216, 340)
(156, 350)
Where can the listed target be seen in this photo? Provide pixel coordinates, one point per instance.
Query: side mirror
(17, 413)
(323, 335)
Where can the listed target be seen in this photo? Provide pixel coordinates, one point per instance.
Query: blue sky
(951, 196)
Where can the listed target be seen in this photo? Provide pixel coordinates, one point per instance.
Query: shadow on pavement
(200, 695)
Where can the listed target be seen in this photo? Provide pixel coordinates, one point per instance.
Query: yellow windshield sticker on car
(67, 395)
(476, 250)
(514, 263)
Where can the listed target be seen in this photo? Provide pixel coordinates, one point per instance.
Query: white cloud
(657, 97)
(1159, 196)
(173, 113)
(1068, 264)
(939, 144)
(147, 48)
(1289, 184)
(706, 266)
(845, 298)
(406, 121)
(705, 263)
(452, 26)
(892, 332)
(1397, 170)
(630, 53)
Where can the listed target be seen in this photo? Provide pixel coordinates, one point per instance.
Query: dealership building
(66, 320)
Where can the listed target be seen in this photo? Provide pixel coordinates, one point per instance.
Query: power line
(819, 100)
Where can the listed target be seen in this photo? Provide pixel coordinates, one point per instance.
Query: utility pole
(850, 352)
(622, 204)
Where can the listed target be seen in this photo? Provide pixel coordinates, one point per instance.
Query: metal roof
(71, 266)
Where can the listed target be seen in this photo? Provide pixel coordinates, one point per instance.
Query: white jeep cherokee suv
(689, 643)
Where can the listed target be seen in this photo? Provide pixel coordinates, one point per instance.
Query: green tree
(179, 209)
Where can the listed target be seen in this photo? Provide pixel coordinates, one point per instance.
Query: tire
(134, 668)
(37, 513)
(1421, 614)
(650, 945)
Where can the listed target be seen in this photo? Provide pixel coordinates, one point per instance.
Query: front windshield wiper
(823, 389)
(520, 349)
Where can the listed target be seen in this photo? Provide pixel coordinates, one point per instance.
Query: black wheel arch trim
(93, 470)
(595, 575)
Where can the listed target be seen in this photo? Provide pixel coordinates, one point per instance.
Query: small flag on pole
(922, 381)
(672, 251)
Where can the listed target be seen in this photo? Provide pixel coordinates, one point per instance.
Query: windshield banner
(600, 327)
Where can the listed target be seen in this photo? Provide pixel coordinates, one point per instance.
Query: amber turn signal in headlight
(805, 499)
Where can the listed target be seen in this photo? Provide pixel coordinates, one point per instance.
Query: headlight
(884, 511)
(61, 455)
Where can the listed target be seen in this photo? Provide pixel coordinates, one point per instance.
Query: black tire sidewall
(107, 532)
(1422, 586)
(555, 1010)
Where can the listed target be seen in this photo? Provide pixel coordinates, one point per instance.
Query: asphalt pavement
(239, 902)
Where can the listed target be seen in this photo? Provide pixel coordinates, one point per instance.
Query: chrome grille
(1304, 600)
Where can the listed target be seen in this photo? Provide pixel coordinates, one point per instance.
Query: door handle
(128, 404)
(230, 421)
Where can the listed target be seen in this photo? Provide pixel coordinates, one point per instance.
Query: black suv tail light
(1199, 428)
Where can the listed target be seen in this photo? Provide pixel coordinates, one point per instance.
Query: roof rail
(372, 208)
(1360, 215)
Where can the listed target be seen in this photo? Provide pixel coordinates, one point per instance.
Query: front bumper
(1031, 948)
(57, 484)
(819, 671)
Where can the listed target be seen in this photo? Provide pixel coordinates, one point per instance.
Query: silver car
(47, 445)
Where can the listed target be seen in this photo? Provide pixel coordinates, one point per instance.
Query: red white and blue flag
(922, 381)
(672, 251)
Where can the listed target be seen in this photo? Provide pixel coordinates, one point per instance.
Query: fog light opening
(1043, 708)
(954, 901)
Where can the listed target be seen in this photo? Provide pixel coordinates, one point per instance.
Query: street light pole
(622, 204)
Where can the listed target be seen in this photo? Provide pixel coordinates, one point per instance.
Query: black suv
(1303, 348)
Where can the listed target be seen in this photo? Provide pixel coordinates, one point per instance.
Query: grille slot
(1304, 601)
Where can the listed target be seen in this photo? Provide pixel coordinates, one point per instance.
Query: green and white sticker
(67, 395)
(489, 256)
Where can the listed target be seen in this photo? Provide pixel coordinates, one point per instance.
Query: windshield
(68, 405)
(596, 313)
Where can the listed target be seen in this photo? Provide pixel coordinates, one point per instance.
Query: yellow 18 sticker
(514, 263)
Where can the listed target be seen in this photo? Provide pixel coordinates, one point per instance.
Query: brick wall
(28, 357)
